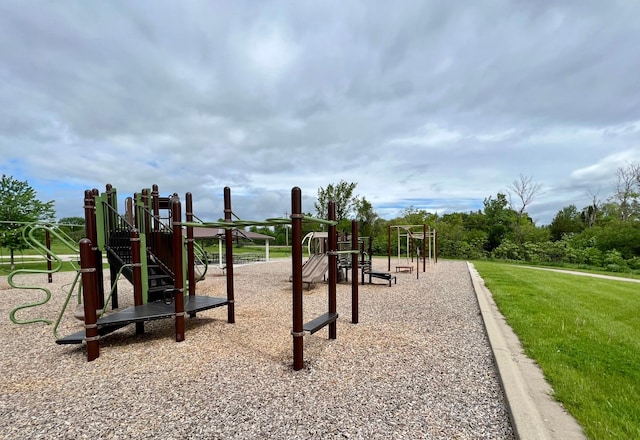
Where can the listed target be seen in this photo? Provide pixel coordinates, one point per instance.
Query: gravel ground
(418, 365)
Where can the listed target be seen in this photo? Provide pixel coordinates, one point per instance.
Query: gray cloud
(422, 100)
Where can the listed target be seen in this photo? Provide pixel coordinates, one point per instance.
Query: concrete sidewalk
(584, 274)
(534, 413)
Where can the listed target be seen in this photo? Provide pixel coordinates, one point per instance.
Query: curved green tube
(28, 235)
(202, 256)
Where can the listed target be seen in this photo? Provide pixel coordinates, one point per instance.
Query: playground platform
(146, 312)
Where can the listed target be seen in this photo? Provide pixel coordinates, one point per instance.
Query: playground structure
(315, 268)
(412, 234)
(157, 254)
(366, 264)
(149, 250)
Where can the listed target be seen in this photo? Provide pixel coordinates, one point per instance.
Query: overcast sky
(431, 104)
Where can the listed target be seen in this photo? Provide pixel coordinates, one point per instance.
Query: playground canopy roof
(201, 232)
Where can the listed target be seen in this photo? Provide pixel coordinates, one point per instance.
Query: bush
(537, 252)
(633, 263)
(613, 261)
(507, 250)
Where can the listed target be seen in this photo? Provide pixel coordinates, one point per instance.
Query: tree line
(604, 234)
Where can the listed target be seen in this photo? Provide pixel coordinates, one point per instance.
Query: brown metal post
(155, 203)
(90, 215)
(354, 266)
(129, 210)
(110, 220)
(389, 248)
(89, 293)
(296, 269)
(92, 235)
(178, 297)
(137, 221)
(47, 239)
(228, 248)
(333, 268)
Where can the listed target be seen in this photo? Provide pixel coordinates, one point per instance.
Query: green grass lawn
(30, 259)
(274, 251)
(57, 248)
(40, 266)
(585, 334)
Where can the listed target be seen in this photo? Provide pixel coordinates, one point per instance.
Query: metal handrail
(115, 212)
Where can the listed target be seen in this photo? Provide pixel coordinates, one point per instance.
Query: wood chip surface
(418, 365)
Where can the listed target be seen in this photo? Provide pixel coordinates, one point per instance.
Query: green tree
(499, 220)
(342, 195)
(452, 236)
(457, 240)
(414, 216)
(19, 205)
(73, 226)
(282, 234)
(622, 236)
(567, 221)
(474, 220)
(366, 217)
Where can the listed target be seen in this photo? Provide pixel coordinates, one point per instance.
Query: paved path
(585, 274)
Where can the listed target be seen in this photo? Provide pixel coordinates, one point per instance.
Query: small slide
(314, 269)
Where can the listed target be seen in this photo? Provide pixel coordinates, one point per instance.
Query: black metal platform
(78, 337)
(382, 275)
(319, 322)
(146, 312)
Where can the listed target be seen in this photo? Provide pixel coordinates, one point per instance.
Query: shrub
(634, 263)
(613, 261)
(507, 250)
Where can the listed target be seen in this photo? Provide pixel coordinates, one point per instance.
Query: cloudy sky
(430, 104)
